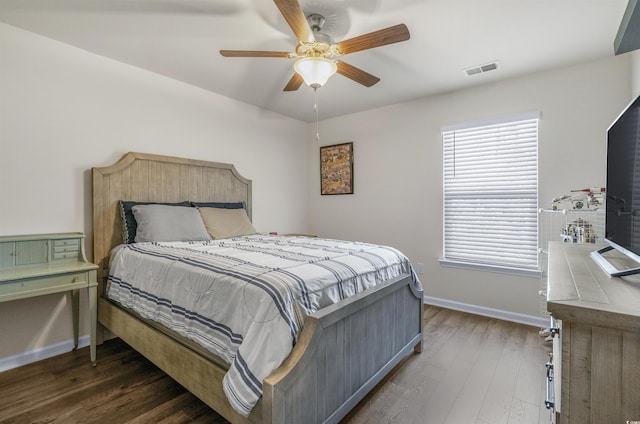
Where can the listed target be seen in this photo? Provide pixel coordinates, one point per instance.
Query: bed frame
(343, 351)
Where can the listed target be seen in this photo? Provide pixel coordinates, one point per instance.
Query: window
(491, 195)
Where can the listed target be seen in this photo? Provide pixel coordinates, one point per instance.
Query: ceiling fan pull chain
(315, 107)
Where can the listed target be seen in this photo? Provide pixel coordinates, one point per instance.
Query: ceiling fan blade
(294, 83)
(293, 14)
(356, 74)
(253, 53)
(373, 39)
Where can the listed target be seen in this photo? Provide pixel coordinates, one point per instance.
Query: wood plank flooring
(473, 370)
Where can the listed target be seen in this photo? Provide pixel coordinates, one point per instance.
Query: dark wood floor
(473, 370)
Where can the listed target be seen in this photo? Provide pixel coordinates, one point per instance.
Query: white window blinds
(491, 193)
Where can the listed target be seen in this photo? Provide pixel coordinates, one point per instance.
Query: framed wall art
(336, 169)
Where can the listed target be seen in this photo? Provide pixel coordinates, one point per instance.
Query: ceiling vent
(477, 70)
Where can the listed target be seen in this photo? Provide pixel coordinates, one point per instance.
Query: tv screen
(622, 221)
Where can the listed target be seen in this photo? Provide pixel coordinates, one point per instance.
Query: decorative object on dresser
(40, 264)
(596, 350)
(343, 350)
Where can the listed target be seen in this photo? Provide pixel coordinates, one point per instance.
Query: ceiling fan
(316, 52)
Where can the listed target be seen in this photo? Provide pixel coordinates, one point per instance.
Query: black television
(622, 218)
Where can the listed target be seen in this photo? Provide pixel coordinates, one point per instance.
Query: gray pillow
(129, 225)
(168, 223)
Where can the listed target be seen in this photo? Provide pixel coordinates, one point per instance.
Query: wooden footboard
(343, 351)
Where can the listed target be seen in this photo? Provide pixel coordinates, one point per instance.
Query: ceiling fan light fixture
(315, 71)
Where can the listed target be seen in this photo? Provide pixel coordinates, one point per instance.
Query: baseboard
(41, 353)
(488, 312)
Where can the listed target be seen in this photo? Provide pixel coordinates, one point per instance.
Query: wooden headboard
(153, 178)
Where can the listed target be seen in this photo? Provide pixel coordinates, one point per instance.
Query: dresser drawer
(67, 242)
(28, 287)
(65, 249)
(69, 248)
(65, 253)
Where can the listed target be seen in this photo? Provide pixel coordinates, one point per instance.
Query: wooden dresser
(599, 362)
(39, 264)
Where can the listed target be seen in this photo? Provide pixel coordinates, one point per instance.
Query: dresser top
(579, 290)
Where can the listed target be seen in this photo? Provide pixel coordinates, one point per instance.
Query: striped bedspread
(245, 299)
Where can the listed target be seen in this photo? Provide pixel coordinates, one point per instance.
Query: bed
(342, 351)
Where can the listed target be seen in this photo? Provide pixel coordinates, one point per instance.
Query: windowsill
(490, 268)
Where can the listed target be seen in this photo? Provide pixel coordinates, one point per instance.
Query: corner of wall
(635, 73)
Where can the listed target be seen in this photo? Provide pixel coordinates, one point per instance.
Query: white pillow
(168, 223)
(225, 223)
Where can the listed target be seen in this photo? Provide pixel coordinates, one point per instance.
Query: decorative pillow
(225, 223)
(168, 223)
(221, 205)
(129, 224)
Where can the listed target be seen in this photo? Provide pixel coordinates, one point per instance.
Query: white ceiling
(181, 39)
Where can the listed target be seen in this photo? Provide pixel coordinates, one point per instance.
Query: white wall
(64, 110)
(398, 172)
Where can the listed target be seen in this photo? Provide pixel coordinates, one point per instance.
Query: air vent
(477, 70)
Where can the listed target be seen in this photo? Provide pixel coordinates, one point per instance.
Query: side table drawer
(18, 289)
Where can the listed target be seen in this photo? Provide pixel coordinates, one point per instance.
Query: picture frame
(336, 169)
